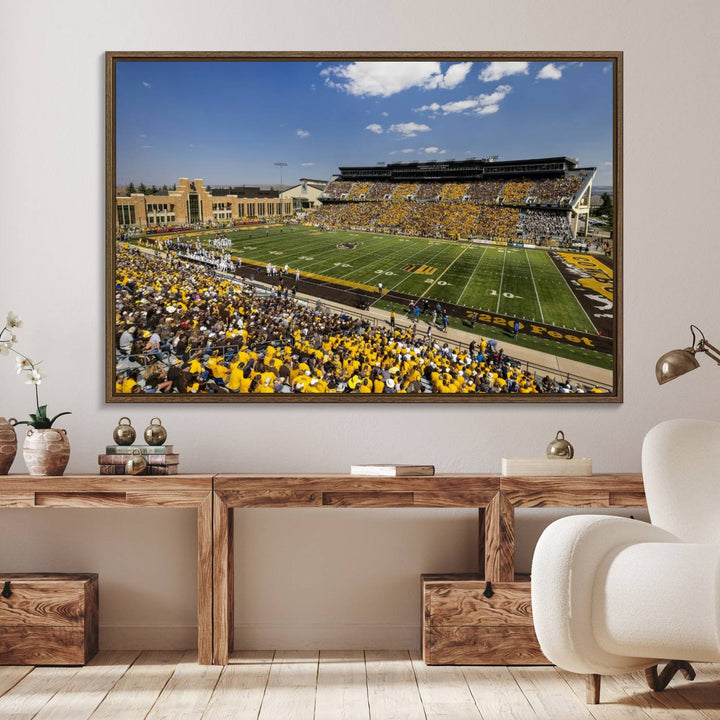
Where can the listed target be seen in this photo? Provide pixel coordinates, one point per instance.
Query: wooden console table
(92, 491)
(494, 496)
(215, 497)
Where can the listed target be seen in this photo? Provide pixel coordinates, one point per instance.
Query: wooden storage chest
(48, 618)
(461, 626)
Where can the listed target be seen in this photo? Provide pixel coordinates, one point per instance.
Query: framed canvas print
(330, 227)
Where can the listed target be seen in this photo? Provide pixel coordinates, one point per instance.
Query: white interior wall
(314, 577)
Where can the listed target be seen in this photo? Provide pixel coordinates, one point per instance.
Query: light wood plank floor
(350, 685)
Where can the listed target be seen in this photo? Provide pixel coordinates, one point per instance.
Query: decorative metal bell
(560, 448)
(136, 463)
(155, 434)
(124, 434)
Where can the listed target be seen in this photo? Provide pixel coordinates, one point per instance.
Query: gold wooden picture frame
(364, 227)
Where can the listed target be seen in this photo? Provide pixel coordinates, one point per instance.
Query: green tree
(606, 208)
(153, 190)
(142, 188)
(130, 189)
(165, 188)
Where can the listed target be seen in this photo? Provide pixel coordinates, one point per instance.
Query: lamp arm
(710, 350)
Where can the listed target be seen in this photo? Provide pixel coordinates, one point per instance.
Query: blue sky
(229, 122)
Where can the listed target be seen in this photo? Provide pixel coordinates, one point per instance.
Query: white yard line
(408, 262)
(457, 257)
(575, 297)
(502, 276)
(472, 275)
(532, 277)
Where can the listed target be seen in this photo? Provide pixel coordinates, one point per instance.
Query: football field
(517, 282)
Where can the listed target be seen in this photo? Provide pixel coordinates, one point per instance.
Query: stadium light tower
(281, 166)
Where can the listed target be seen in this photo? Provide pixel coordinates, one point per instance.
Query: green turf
(511, 281)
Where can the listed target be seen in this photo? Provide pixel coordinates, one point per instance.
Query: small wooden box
(48, 618)
(461, 626)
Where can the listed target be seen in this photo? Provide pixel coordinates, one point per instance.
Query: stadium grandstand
(543, 201)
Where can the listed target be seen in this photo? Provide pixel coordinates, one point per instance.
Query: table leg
(223, 581)
(205, 579)
(481, 542)
(500, 540)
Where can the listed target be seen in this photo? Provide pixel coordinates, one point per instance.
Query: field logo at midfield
(420, 269)
(348, 245)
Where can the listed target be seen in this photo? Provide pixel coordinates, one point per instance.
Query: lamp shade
(675, 363)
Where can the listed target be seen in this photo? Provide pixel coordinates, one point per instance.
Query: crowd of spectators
(359, 190)
(429, 191)
(453, 191)
(515, 192)
(486, 192)
(380, 191)
(555, 192)
(439, 219)
(182, 329)
(337, 188)
(403, 191)
(544, 224)
(482, 210)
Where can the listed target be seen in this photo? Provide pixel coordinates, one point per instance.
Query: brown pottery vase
(8, 444)
(46, 451)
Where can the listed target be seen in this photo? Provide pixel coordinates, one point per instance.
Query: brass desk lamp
(677, 362)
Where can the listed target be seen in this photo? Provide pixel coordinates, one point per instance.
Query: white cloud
(609, 164)
(383, 79)
(434, 151)
(404, 151)
(455, 75)
(432, 107)
(384, 114)
(550, 72)
(459, 106)
(303, 133)
(501, 92)
(306, 164)
(374, 128)
(497, 70)
(146, 84)
(484, 104)
(408, 129)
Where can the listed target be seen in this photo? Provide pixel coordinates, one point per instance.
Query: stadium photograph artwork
(384, 227)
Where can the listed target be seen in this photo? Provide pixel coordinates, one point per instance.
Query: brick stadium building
(191, 202)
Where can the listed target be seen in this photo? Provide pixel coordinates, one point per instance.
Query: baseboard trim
(148, 637)
(327, 637)
(265, 636)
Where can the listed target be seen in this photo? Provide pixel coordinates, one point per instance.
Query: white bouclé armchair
(613, 595)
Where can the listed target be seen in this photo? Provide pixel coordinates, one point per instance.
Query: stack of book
(160, 459)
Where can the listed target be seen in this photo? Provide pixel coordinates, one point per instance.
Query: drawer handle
(488, 592)
(6, 592)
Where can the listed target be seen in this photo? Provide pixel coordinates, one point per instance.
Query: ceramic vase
(8, 444)
(46, 451)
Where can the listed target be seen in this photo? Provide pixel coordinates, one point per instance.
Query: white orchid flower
(35, 377)
(5, 347)
(13, 320)
(23, 364)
